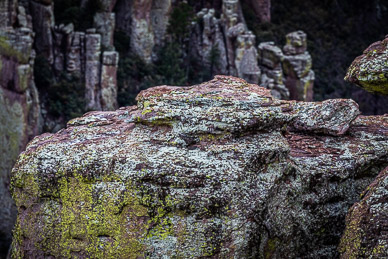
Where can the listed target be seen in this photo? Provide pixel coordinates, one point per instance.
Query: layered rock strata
(370, 70)
(220, 169)
(19, 104)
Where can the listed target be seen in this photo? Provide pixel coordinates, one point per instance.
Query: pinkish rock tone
(220, 169)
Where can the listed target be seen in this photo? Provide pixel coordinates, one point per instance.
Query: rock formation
(220, 169)
(270, 60)
(299, 78)
(366, 234)
(287, 73)
(230, 37)
(19, 103)
(145, 22)
(370, 70)
(80, 52)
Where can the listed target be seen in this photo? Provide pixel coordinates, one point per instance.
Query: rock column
(299, 78)
(270, 60)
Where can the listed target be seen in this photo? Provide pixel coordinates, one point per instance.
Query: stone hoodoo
(270, 60)
(370, 70)
(287, 73)
(89, 54)
(19, 103)
(220, 169)
(299, 78)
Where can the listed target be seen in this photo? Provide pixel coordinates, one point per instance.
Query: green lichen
(7, 50)
(380, 87)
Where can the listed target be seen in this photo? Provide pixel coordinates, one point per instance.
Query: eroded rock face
(19, 108)
(220, 169)
(370, 70)
(145, 22)
(366, 234)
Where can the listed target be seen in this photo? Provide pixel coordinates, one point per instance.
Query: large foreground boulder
(220, 170)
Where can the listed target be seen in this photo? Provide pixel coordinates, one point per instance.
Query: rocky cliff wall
(19, 103)
(220, 169)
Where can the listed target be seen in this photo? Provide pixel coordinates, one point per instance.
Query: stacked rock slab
(270, 60)
(299, 78)
(221, 170)
(370, 70)
(19, 104)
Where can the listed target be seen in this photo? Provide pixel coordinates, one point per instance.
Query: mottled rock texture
(366, 234)
(297, 63)
(219, 170)
(19, 107)
(145, 22)
(370, 70)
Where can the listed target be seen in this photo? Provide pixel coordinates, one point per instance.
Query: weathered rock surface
(270, 60)
(19, 107)
(145, 22)
(366, 234)
(370, 70)
(299, 78)
(221, 169)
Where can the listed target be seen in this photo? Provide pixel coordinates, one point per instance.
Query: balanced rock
(221, 170)
(370, 70)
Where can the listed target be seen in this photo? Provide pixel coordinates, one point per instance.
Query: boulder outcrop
(370, 70)
(366, 234)
(221, 169)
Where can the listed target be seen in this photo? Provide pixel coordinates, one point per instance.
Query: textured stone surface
(43, 23)
(296, 43)
(366, 234)
(370, 70)
(145, 21)
(221, 169)
(297, 63)
(19, 110)
(270, 60)
(105, 25)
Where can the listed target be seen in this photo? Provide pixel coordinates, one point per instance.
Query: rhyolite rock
(220, 170)
(297, 63)
(270, 61)
(370, 70)
(145, 22)
(19, 105)
(366, 234)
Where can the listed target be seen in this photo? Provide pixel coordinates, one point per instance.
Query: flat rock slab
(221, 170)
